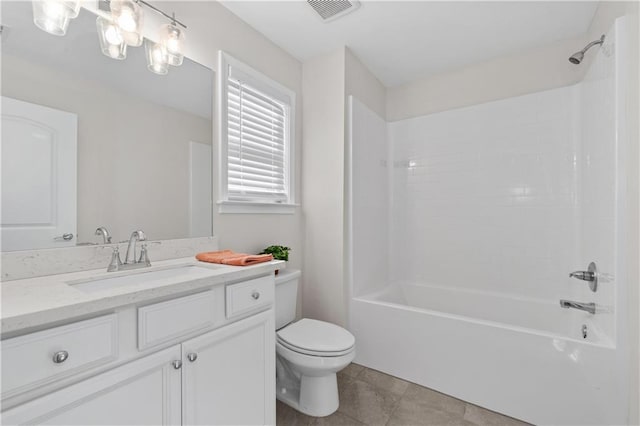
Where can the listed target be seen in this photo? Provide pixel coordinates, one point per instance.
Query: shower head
(577, 57)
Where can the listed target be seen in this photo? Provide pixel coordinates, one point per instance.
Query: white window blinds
(256, 145)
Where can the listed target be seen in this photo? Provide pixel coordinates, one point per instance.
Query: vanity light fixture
(53, 16)
(157, 57)
(111, 39)
(120, 24)
(172, 37)
(128, 15)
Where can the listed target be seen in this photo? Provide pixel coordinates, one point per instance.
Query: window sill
(244, 207)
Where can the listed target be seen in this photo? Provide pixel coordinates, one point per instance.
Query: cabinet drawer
(250, 295)
(39, 358)
(165, 321)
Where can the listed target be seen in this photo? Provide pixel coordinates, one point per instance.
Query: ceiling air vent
(333, 9)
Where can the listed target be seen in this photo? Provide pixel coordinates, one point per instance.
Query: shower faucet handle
(590, 275)
(583, 275)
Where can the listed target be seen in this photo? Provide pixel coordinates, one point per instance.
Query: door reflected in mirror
(140, 157)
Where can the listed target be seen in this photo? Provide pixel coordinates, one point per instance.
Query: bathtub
(487, 349)
(456, 259)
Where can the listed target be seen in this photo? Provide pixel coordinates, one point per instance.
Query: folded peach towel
(229, 257)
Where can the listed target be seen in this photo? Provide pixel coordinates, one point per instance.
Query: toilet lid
(317, 336)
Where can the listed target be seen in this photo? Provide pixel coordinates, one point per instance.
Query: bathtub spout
(588, 307)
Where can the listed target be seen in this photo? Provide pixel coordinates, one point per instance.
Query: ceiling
(400, 41)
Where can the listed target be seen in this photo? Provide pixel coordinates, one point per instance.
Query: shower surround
(463, 228)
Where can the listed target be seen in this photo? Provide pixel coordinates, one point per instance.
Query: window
(256, 141)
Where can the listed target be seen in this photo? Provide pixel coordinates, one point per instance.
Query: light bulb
(128, 16)
(157, 58)
(53, 9)
(173, 44)
(126, 21)
(114, 51)
(173, 38)
(111, 39)
(112, 35)
(50, 26)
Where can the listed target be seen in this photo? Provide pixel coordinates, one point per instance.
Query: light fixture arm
(170, 17)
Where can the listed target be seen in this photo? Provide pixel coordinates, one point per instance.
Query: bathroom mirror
(141, 158)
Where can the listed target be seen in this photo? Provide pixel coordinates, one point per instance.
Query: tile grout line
(393, 411)
(361, 371)
(464, 414)
(353, 418)
(397, 404)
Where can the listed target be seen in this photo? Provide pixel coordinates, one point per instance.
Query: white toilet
(309, 353)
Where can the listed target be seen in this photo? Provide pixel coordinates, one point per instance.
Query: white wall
(362, 84)
(328, 80)
(133, 155)
(484, 196)
(212, 27)
(323, 188)
(530, 71)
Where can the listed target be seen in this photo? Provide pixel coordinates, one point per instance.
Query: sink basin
(184, 272)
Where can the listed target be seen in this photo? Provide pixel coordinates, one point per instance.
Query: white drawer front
(165, 321)
(28, 361)
(250, 295)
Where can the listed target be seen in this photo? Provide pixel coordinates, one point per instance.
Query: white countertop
(35, 302)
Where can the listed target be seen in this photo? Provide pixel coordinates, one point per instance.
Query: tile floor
(369, 397)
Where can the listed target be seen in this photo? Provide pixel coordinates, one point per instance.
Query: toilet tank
(286, 296)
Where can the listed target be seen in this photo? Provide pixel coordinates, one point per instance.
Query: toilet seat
(313, 353)
(316, 338)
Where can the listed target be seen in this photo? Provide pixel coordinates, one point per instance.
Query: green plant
(278, 252)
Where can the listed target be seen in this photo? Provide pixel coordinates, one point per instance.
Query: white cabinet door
(143, 392)
(38, 146)
(232, 380)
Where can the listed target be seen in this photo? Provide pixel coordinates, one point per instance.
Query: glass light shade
(157, 57)
(128, 15)
(111, 39)
(173, 39)
(53, 16)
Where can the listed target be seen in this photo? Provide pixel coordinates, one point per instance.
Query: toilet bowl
(309, 353)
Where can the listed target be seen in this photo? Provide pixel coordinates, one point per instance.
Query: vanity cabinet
(47, 356)
(176, 364)
(144, 392)
(228, 372)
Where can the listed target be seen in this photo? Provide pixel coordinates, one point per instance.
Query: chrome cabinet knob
(255, 295)
(60, 357)
(192, 357)
(64, 237)
(177, 364)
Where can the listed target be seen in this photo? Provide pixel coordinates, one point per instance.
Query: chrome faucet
(106, 237)
(130, 258)
(588, 307)
(130, 261)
